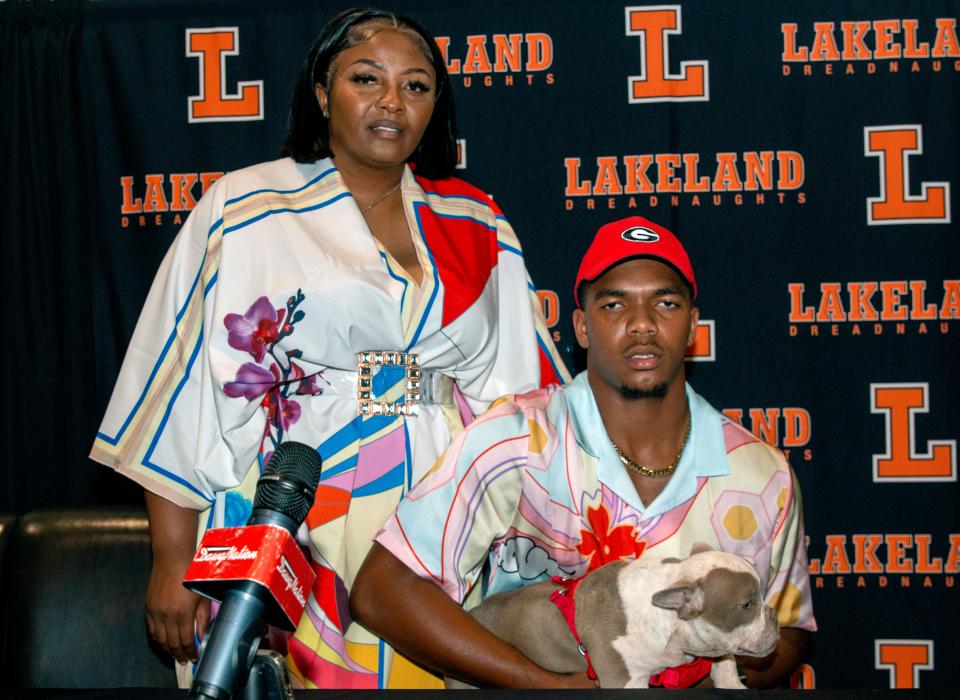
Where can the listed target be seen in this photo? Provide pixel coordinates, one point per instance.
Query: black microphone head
(289, 481)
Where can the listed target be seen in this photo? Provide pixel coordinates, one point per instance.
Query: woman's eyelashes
(419, 86)
(363, 79)
(415, 85)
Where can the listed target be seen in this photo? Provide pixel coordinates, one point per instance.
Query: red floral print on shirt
(601, 545)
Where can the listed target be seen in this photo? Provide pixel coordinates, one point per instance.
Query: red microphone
(266, 555)
(258, 571)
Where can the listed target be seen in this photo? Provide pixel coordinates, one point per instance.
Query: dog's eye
(746, 606)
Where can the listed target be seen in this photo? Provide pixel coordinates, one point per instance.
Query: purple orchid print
(257, 332)
(251, 381)
(283, 412)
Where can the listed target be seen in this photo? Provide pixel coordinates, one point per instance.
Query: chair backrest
(8, 524)
(75, 586)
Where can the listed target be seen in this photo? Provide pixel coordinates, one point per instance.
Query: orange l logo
(804, 678)
(655, 82)
(704, 343)
(900, 462)
(894, 145)
(214, 104)
(905, 658)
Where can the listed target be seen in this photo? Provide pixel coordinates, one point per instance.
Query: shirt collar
(705, 454)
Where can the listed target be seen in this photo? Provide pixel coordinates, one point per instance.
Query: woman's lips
(387, 129)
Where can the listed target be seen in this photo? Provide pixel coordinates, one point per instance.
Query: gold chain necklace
(381, 197)
(647, 471)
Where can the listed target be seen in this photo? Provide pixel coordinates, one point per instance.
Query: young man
(625, 461)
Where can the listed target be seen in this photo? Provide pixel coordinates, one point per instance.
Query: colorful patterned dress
(250, 336)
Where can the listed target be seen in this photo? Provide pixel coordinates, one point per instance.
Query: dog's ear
(699, 547)
(686, 600)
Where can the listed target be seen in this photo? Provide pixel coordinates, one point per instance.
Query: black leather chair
(74, 615)
(8, 524)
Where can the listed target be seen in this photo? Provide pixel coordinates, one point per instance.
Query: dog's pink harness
(682, 676)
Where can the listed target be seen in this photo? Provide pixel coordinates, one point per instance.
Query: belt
(422, 386)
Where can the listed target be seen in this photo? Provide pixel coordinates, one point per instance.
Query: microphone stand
(268, 679)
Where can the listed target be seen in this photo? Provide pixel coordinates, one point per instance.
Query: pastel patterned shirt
(534, 489)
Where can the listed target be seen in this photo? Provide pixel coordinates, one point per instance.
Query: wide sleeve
(789, 590)
(162, 426)
(526, 357)
(443, 529)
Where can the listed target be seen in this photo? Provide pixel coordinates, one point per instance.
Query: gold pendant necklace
(381, 197)
(647, 471)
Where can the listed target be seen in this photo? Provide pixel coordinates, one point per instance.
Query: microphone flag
(266, 555)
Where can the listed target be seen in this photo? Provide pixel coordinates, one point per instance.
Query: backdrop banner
(806, 153)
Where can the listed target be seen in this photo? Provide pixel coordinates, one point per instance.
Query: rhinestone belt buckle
(366, 361)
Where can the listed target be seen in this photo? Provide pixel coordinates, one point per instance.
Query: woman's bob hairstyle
(308, 133)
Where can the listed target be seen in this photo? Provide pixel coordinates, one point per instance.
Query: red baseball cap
(633, 237)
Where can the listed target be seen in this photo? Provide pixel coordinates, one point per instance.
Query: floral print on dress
(274, 375)
(602, 545)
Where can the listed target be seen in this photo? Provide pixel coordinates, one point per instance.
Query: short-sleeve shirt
(534, 489)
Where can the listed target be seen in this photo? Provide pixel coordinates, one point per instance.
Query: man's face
(636, 323)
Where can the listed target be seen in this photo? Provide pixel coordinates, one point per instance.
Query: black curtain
(48, 421)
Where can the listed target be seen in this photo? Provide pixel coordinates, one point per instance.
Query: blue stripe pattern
(549, 357)
(113, 440)
(163, 353)
(395, 276)
(293, 191)
(166, 415)
(271, 212)
(436, 276)
(392, 479)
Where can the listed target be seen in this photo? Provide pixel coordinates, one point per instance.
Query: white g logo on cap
(640, 234)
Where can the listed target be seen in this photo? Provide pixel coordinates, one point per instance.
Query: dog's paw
(638, 682)
(724, 674)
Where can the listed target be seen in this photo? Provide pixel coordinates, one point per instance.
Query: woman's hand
(173, 612)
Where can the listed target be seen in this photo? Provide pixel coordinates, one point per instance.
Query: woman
(255, 330)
